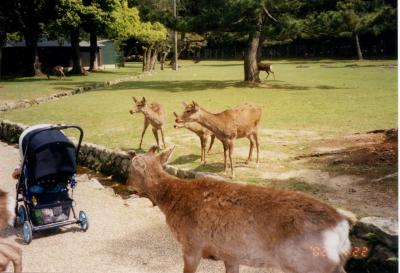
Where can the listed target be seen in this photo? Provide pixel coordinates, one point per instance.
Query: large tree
(98, 19)
(29, 18)
(352, 18)
(253, 19)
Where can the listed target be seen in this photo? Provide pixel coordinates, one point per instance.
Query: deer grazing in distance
(203, 133)
(267, 68)
(154, 115)
(9, 251)
(57, 70)
(239, 122)
(242, 224)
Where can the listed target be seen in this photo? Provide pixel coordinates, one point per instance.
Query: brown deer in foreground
(57, 70)
(154, 115)
(239, 122)
(243, 224)
(203, 133)
(267, 68)
(9, 251)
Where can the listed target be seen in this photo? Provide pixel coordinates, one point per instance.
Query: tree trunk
(76, 53)
(250, 59)
(1, 57)
(153, 59)
(260, 47)
(35, 66)
(93, 51)
(359, 52)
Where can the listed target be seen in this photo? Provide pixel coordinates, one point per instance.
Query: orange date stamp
(356, 252)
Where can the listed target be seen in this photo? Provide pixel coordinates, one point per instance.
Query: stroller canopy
(46, 152)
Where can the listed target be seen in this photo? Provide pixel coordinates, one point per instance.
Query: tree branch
(269, 14)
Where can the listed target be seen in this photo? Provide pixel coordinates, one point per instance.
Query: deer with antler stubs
(239, 122)
(154, 115)
(267, 68)
(202, 132)
(243, 224)
(9, 251)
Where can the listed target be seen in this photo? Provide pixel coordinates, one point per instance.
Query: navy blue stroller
(48, 170)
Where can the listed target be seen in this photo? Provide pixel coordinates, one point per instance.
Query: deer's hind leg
(230, 157)
(255, 136)
(162, 136)
(155, 133)
(251, 149)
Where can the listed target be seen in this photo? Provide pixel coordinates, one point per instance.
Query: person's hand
(16, 173)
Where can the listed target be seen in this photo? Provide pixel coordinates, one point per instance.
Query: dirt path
(124, 235)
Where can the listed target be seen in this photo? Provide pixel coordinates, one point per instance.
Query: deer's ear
(184, 104)
(131, 154)
(165, 156)
(134, 99)
(175, 114)
(195, 105)
(152, 150)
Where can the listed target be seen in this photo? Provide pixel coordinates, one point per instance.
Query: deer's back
(159, 111)
(244, 119)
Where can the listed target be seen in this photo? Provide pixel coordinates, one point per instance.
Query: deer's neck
(166, 190)
(214, 123)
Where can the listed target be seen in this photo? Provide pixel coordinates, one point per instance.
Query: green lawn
(332, 100)
(33, 87)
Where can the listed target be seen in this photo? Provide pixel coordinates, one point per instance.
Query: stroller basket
(57, 211)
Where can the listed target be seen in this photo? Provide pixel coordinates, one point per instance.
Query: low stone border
(374, 239)
(77, 90)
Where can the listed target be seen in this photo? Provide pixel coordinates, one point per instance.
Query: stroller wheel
(83, 221)
(27, 232)
(21, 215)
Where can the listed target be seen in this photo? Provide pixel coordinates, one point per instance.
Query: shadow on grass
(200, 85)
(212, 168)
(185, 159)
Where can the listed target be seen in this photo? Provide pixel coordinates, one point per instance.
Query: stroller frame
(24, 212)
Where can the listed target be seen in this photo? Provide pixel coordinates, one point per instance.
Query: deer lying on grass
(154, 115)
(58, 70)
(243, 224)
(267, 68)
(242, 121)
(203, 133)
(9, 252)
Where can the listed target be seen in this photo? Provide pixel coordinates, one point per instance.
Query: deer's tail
(211, 144)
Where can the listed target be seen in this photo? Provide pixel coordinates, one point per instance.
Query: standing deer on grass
(267, 68)
(58, 70)
(154, 115)
(243, 224)
(202, 132)
(9, 251)
(239, 122)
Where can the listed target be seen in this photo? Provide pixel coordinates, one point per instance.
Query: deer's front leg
(255, 136)
(155, 133)
(225, 152)
(230, 157)
(146, 124)
(231, 267)
(191, 262)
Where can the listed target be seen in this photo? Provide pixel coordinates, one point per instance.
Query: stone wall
(374, 239)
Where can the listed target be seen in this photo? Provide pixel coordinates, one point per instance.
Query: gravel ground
(124, 235)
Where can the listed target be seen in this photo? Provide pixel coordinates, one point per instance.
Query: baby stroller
(48, 167)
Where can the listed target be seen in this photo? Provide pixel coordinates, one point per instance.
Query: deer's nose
(174, 126)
